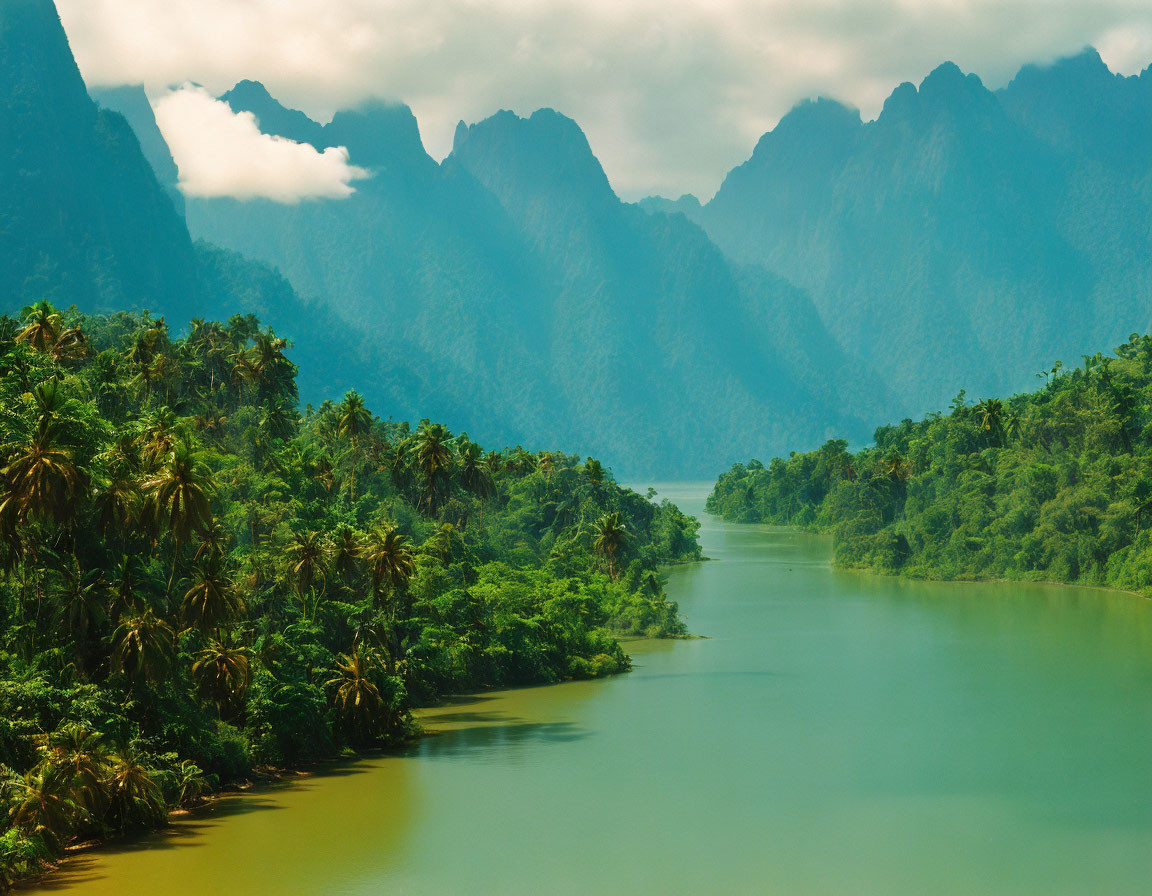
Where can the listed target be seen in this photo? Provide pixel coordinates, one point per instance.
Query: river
(835, 733)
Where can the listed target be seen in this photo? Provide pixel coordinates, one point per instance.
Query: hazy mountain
(132, 102)
(964, 237)
(524, 297)
(82, 217)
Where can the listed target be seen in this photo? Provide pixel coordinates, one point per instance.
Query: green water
(836, 734)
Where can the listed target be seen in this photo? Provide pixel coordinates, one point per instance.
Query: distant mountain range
(847, 273)
(964, 237)
(524, 300)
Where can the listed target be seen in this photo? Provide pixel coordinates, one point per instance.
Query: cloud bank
(220, 153)
(671, 93)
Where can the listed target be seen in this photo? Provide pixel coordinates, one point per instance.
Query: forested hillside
(200, 580)
(1050, 485)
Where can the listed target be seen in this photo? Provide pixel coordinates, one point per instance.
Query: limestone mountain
(82, 217)
(512, 279)
(964, 236)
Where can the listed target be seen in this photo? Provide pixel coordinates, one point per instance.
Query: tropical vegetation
(1051, 485)
(200, 579)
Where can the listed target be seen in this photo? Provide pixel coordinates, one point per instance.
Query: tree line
(1052, 485)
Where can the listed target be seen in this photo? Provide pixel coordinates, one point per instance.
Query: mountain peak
(947, 83)
(545, 150)
(378, 133)
(945, 91)
(824, 127)
(273, 117)
(1082, 73)
(811, 117)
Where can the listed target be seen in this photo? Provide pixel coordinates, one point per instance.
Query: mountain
(132, 103)
(82, 217)
(964, 236)
(512, 279)
(848, 272)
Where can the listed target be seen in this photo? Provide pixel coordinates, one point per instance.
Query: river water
(836, 733)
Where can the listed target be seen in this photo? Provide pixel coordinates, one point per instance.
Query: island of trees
(200, 581)
(1055, 485)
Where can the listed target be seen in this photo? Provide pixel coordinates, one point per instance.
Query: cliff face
(83, 218)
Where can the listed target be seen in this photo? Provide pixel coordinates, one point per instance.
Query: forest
(1052, 485)
(201, 581)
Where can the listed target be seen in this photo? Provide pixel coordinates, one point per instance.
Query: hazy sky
(672, 93)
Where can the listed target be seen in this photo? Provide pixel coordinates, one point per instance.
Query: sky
(671, 93)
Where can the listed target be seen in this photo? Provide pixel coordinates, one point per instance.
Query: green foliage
(1052, 485)
(200, 579)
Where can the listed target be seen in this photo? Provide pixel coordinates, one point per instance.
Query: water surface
(835, 734)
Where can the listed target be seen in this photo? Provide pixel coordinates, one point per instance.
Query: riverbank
(454, 713)
(837, 732)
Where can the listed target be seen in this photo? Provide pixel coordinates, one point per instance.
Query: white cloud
(221, 153)
(671, 93)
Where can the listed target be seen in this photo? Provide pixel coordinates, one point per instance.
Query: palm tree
(41, 804)
(42, 479)
(52, 405)
(307, 552)
(213, 541)
(353, 419)
(71, 345)
(610, 535)
(1014, 426)
(42, 325)
(127, 578)
(474, 473)
(353, 423)
(265, 367)
(390, 559)
(211, 599)
(433, 459)
(990, 414)
(83, 756)
(117, 503)
(346, 552)
(357, 699)
(324, 473)
(442, 541)
(79, 598)
(895, 468)
(279, 420)
(142, 647)
(161, 434)
(224, 674)
(178, 498)
(594, 471)
(133, 795)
